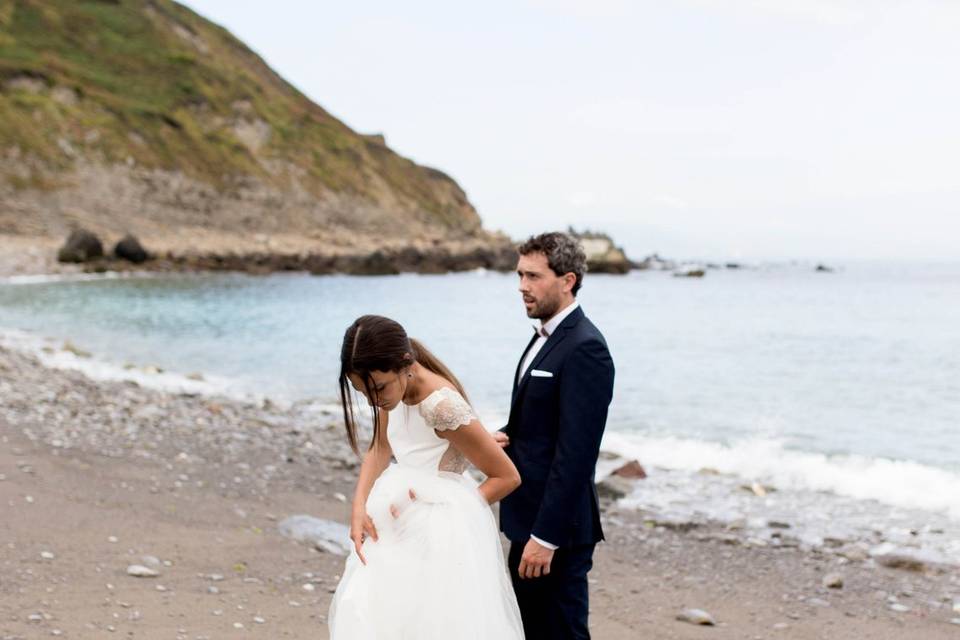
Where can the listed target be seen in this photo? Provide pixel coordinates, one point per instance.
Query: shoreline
(262, 254)
(202, 482)
(706, 490)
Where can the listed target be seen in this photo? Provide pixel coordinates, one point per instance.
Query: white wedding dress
(437, 570)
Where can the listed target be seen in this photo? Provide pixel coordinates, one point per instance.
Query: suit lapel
(516, 374)
(555, 338)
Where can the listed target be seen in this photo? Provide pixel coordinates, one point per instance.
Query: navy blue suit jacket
(555, 428)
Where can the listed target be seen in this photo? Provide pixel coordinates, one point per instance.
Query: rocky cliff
(141, 116)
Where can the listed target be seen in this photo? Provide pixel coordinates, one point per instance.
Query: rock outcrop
(81, 246)
(603, 256)
(130, 249)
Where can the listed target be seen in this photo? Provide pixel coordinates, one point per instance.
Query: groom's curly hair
(563, 251)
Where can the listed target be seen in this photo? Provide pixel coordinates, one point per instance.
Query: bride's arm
(374, 462)
(479, 447)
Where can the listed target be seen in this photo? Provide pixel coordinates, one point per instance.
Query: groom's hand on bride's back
(397, 509)
(501, 439)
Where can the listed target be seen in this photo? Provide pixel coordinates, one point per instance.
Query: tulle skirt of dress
(436, 572)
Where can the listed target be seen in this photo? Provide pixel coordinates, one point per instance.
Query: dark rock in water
(632, 470)
(822, 268)
(130, 249)
(81, 246)
(614, 487)
(656, 263)
(690, 272)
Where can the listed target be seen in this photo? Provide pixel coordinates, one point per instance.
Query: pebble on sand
(140, 571)
(833, 581)
(696, 616)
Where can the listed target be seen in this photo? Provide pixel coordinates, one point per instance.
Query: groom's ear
(569, 280)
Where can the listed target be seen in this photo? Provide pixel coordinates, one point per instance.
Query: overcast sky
(748, 129)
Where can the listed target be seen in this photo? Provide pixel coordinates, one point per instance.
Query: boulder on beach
(81, 246)
(613, 488)
(130, 249)
(909, 559)
(632, 470)
(324, 535)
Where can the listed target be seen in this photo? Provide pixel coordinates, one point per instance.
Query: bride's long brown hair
(376, 343)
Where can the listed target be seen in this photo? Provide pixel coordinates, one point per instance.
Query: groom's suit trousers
(555, 606)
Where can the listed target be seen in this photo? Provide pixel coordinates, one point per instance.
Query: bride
(428, 562)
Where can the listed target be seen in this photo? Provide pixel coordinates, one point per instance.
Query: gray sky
(749, 129)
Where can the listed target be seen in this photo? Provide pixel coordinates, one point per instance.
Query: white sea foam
(54, 354)
(899, 483)
(51, 278)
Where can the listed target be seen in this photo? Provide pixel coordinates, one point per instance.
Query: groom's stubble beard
(544, 309)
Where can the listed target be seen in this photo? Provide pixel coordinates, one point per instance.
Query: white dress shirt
(550, 326)
(544, 327)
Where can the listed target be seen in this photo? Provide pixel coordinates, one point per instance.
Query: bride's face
(386, 386)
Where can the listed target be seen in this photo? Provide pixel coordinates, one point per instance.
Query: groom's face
(541, 288)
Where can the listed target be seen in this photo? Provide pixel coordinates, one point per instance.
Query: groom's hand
(535, 561)
(397, 509)
(501, 439)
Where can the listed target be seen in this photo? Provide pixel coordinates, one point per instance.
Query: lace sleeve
(445, 409)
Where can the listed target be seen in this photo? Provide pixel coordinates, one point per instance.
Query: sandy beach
(98, 476)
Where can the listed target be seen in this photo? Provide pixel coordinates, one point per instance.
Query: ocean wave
(57, 354)
(899, 483)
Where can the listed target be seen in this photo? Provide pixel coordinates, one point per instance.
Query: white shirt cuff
(544, 543)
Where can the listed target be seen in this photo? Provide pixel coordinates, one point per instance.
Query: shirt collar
(555, 321)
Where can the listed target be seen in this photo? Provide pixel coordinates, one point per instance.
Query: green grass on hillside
(157, 83)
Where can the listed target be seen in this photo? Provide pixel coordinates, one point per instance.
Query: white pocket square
(537, 373)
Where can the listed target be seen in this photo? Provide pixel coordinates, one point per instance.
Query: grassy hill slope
(142, 114)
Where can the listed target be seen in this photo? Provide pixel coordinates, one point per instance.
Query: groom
(561, 391)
